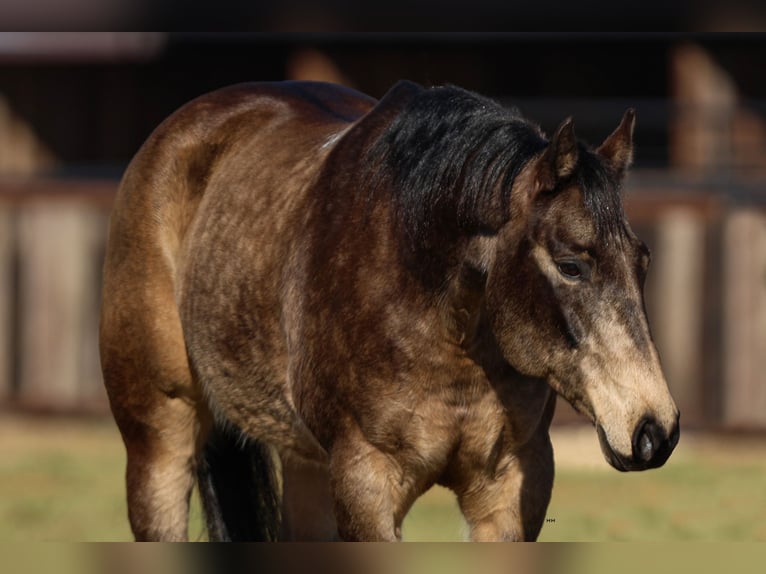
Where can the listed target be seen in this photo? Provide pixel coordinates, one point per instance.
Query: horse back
(170, 174)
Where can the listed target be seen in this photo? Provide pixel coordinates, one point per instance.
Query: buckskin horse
(317, 305)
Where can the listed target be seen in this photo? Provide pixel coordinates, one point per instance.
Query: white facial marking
(624, 385)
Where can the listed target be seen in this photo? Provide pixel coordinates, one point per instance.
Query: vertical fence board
(55, 292)
(678, 292)
(6, 299)
(92, 388)
(745, 319)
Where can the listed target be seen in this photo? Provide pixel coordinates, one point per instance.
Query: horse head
(564, 296)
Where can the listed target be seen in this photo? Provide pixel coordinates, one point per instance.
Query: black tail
(238, 487)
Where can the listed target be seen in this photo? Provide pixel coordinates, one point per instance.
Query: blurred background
(75, 107)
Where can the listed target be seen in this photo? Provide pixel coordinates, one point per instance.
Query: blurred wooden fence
(706, 296)
(52, 237)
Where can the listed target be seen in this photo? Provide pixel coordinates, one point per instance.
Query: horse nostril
(646, 448)
(652, 444)
(645, 443)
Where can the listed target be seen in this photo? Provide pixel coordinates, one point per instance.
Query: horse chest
(460, 421)
(472, 428)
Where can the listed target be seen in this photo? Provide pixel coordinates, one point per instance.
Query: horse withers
(318, 305)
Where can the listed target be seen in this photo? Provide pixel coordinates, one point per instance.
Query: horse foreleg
(512, 505)
(368, 501)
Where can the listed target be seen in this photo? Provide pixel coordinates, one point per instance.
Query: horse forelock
(601, 194)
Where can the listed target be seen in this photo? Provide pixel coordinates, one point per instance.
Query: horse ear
(617, 149)
(559, 160)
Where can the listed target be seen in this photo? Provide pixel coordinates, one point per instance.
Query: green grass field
(61, 480)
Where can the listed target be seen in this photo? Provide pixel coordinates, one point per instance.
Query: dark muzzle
(651, 446)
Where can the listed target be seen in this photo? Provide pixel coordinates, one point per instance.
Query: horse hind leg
(160, 473)
(160, 415)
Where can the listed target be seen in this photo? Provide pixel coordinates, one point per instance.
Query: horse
(317, 305)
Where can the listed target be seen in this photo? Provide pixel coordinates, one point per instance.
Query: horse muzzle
(651, 444)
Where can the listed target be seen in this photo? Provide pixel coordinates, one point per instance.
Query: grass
(685, 501)
(63, 481)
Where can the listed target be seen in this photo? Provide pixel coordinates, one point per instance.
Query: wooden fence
(52, 237)
(706, 297)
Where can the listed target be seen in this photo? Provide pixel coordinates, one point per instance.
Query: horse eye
(571, 269)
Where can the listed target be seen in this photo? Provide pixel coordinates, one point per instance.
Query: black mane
(448, 152)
